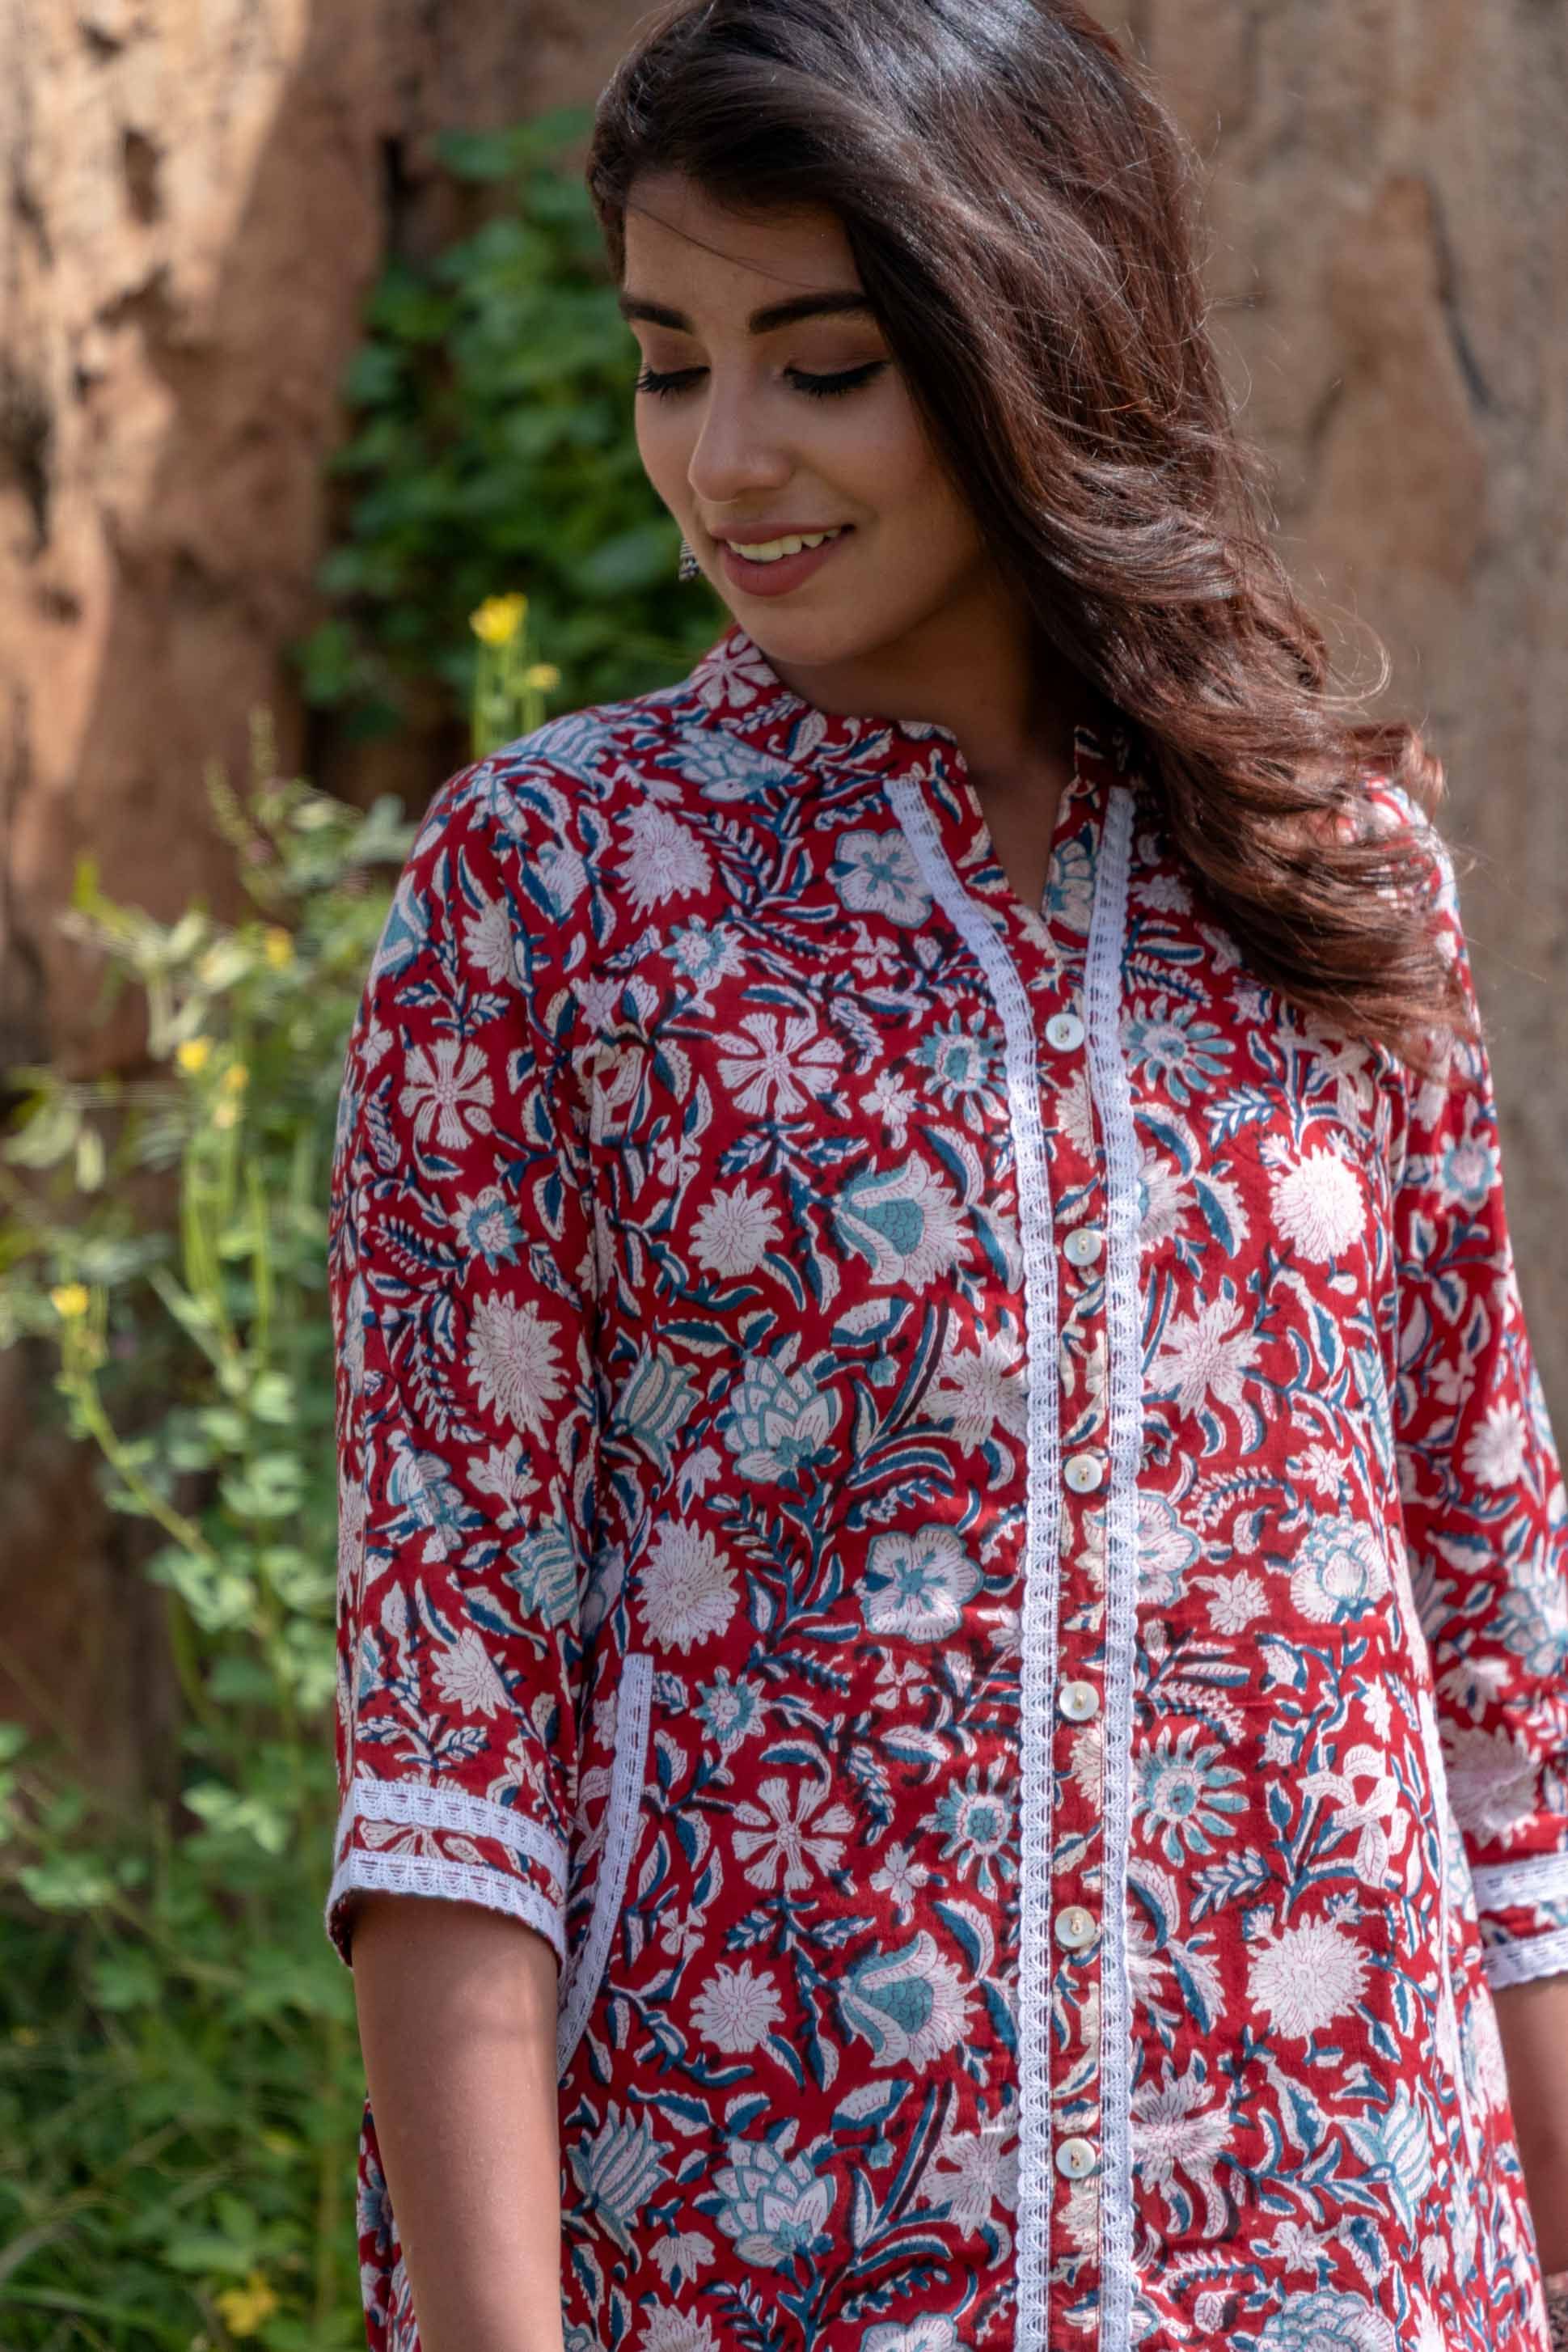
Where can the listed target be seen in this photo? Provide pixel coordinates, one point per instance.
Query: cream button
(1065, 1031)
(1079, 1701)
(1075, 1926)
(1083, 1244)
(1075, 2157)
(1084, 1472)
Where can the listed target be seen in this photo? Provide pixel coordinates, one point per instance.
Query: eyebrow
(835, 304)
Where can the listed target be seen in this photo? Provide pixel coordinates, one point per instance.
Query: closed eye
(819, 388)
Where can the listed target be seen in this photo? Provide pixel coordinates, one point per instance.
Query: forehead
(686, 249)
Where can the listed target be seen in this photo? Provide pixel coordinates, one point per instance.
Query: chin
(813, 640)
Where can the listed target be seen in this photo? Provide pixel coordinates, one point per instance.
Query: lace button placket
(1055, 983)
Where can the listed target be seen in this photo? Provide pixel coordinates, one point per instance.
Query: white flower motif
(1204, 1355)
(972, 2173)
(732, 675)
(1167, 1199)
(735, 2010)
(1306, 1976)
(1237, 1599)
(983, 1390)
(1319, 1205)
(1173, 2131)
(665, 2329)
(777, 1064)
(899, 1876)
(448, 1090)
(734, 1230)
(686, 2250)
(351, 1541)
(1492, 1780)
(666, 860)
(1374, 1813)
(512, 1361)
(489, 943)
(779, 1830)
(686, 1588)
(1495, 1454)
(465, 1676)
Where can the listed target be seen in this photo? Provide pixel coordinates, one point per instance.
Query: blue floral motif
(1181, 1784)
(730, 1708)
(542, 1571)
(874, 873)
(1177, 1050)
(911, 2005)
(774, 2206)
(916, 1584)
(976, 1818)
(778, 1421)
(1325, 2320)
(620, 2169)
(487, 1227)
(1340, 1571)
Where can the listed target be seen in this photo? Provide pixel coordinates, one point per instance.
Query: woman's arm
(457, 2023)
(1532, 2020)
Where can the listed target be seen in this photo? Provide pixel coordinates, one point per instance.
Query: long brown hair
(1020, 206)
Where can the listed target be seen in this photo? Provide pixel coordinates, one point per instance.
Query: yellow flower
(71, 1300)
(226, 1115)
(499, 619)
(543, 678)
(236, 1078)
(193, 1054)
(246, 2308)
(277, 947)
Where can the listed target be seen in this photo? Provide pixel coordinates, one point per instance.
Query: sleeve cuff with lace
(1523, 1909)
(399, 1837)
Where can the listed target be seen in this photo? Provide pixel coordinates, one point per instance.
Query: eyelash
(819, 387)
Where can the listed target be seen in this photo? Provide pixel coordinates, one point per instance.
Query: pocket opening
(585, 1968)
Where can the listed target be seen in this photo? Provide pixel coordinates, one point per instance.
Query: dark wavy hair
(1020, 208)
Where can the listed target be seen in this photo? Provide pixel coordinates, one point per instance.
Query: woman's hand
(457, 2023)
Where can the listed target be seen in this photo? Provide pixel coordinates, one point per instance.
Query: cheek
(664, 445)
(914, 500)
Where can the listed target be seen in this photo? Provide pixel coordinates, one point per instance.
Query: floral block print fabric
(952, 1500)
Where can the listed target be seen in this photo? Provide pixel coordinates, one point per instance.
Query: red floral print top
(952, 1500)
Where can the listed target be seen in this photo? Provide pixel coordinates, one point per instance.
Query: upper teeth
(770, 551)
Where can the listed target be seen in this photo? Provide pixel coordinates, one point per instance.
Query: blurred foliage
(492, 401)
(179, 2070)
(180, 2076)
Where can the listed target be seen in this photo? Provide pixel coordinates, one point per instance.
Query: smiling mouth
(774, 551)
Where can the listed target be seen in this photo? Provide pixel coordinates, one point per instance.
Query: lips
(778, 575)
(773, 545)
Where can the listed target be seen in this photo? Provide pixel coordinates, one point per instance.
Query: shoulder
(1387, 811)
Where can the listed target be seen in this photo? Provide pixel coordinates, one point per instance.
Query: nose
(736, 454)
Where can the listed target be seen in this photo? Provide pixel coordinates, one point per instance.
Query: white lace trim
(1526, 1957)
(1540, 1878)
(1124, 1441)
(452, 1882)
(628, 1774)
(423, 1806)
(1042, 1537)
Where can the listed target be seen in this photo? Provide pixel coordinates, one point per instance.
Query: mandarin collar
(739, 692)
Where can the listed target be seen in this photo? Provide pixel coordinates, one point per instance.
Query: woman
(947, 1504)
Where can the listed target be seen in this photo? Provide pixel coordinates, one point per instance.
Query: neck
(978, 669)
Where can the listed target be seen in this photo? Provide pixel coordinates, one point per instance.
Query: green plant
(179, 2073)
(492, 399)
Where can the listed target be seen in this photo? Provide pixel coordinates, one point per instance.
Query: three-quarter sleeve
(460, 1277)
(1482, 1493)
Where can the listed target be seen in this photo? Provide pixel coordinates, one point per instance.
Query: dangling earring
(688, 567)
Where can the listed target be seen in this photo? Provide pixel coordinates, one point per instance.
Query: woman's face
(769, 408)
